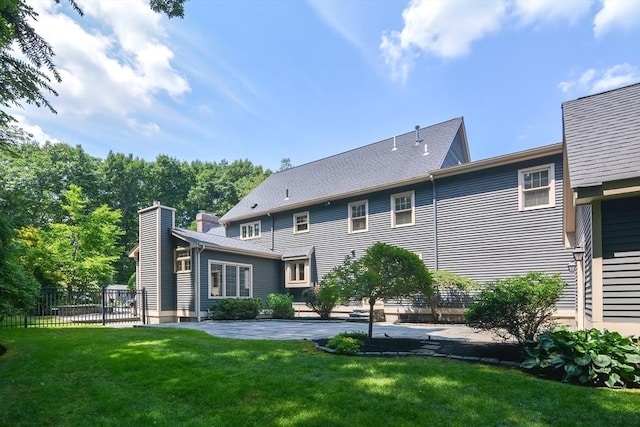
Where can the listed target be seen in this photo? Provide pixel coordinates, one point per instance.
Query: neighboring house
(602, 206)
(487, 219)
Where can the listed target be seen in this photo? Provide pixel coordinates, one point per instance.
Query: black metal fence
(56, 307)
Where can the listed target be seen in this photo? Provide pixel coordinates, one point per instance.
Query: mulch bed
(504, 351)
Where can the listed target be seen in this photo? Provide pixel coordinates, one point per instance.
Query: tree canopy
(384, 272)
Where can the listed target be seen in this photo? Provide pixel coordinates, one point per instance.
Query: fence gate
(56, 308)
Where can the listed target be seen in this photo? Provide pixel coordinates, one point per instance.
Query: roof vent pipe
(426, 151)
(418, 140)
(395, 147)
(286, 194)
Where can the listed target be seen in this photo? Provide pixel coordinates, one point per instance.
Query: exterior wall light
(578, 254)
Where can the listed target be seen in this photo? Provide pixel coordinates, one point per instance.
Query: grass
(168, 377)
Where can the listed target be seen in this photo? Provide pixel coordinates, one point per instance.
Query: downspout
(435, 224)
(272, 231)
(199, 250)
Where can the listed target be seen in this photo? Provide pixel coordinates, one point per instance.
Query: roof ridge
(370, 144)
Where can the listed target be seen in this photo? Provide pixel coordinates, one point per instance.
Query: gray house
(602, 206)
(486, 219)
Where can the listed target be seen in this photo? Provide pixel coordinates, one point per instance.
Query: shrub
(518, 307)
(448, 282)
(281, 306)
(347, 342)
(322, 299)
(236, 308)
(589, 357)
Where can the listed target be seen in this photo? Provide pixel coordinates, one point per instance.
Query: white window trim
(252, 225)
(295, 224)
(297, 283)
(181, 254)
(223, 287)
(552, 186)
(366, 216)
(393, 208)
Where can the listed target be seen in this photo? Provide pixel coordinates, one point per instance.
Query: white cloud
(444, 28)
(36, 132)
(545, 11)
(334, 15)
(111, 60)
(594, 81)
(617, 14)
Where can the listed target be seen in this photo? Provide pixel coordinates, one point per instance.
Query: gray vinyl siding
(621, 258)
(148, 270)
(483, 235)
(168, 280)
(185, 288)
(329, 229)
(584, 239)
(267, 275)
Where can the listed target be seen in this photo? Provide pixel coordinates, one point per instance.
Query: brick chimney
(206, 221)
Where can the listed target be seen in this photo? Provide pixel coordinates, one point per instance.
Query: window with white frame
(358, 216)
(402, 209)
(536, 187)
(301, 222)
(182, 260)
(250, 230)
(297, 273)
(229, 280)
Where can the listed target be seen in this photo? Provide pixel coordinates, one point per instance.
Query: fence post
(104, 306)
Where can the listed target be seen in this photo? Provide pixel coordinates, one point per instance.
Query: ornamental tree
(384, 272)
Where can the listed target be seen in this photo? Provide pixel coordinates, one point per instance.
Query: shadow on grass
(173, 376)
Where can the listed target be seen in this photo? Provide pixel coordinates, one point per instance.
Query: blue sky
(264, 80)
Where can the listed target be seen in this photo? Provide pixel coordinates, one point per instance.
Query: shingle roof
(297, 253)
(602, 136)
(225, 244)
(366, 168)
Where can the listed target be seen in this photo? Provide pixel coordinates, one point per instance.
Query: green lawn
(171, 377)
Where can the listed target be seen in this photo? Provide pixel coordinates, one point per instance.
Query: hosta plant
(589, 357)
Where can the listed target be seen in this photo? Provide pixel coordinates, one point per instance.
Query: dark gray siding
(267, 275)
(584, 238)
(483, 235)
(621, 258)
(455, 156)
(149, 256)
(167, 275)
(329, 229)
(185, 288)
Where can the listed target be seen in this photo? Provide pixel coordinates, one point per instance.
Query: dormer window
(182, 260)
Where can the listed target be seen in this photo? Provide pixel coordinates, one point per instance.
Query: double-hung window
(182, 260)
(297, 273)
(402, 209)
(250, 230)
(536, 187)
(358, 216)
(301, 222)
(230, 280)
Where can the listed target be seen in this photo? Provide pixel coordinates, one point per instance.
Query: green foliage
(384, 272)
(443, 279)
(236, 308)
(348, 342)
(588, 357)
(18, 288)
(518, 307)
(84, 248)
(281, 306)
(324, 297)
